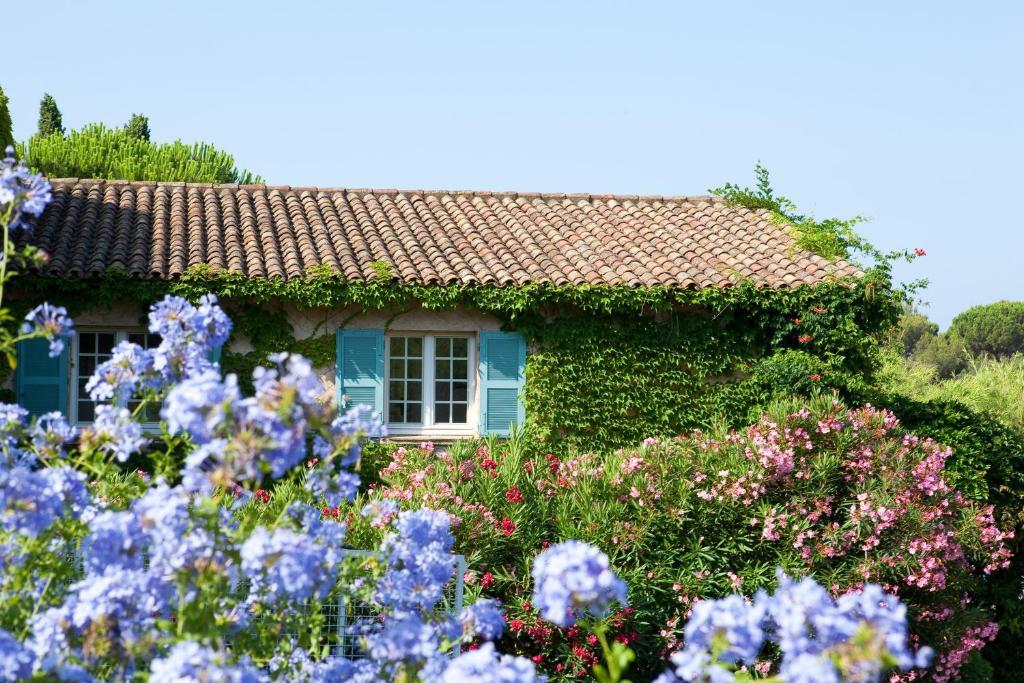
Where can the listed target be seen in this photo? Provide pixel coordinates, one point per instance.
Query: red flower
(815, 376)
(263, 496)
(487, 580)
(592, 639)
(326, 511)
(819, 309)
(920, 252)
(506, 526)
(537, 659)
(797, 321)
(513, 495)
(516, 625)
(804, 338)
(528, 466)
(141, 474)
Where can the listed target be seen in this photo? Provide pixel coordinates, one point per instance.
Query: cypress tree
(138, 127)
(50, 120)
(6, 125)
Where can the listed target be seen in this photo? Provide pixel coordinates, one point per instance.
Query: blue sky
(910, 113)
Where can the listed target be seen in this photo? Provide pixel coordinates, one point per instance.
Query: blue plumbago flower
(115, 539)
(188, 335)
(13, 421)
(485, 665)
(405, 638)
(299, 667)
(285, 566)
(190, 662)
(484, 619)
(814, 633)
(52, 322)
(114, 432)
(419, 562)
(199, 405)
(30, 192)
(22, 509)
(573, 578)
(49, 434)
(118, 607)
(334, 487)
(67, 486)
(129, 369)
(381, 511)
(731, 619)
(357, 420)
(15, 659)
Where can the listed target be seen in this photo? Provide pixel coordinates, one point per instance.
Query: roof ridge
(511, 194)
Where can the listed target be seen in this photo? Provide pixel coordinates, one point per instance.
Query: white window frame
(120, 335)
(427, 427)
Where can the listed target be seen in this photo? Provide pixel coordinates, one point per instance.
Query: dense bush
(6, 125)
(51, 122)
(994, 330)
(840, 494)
(96, 151)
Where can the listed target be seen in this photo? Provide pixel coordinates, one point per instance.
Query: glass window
(93, 349)
(405, 383)
(429, 380)
(451, 380)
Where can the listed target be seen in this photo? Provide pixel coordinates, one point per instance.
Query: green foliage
(6, 124)
(832, 238)
(688, 518)
(994, 330)
(138, 127)
(913, 328)
(943, 353)
(96, 151)
(607, 365)
(50, 120)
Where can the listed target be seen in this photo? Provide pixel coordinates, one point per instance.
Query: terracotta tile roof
(158, 230)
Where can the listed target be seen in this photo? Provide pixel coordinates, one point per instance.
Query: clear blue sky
(911, 113)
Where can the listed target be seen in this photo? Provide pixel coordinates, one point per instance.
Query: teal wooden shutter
(41, 382)
(214, 354)
(360, 368)
(502, 376)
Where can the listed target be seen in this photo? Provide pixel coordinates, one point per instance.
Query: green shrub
(944, 353)
(138, 127)
(995, 329)
(96, 151)
(913, 328)
(50, 120)
(6, 125)
(837, 493)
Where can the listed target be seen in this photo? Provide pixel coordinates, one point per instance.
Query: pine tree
(50, 120)
(138, 127)
(6, 125)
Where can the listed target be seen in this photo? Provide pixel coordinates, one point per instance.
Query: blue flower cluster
(114, 431)
(22, 194)
(572, 579)
(52, 322)
(813, 632)
(189, 661)
(485, 665)
(285, 566)
(189, 335)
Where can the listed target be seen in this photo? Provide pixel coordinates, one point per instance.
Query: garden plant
(204, 552)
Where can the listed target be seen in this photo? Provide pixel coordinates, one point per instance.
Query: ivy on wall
(608, 365)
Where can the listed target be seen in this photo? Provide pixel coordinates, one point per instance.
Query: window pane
(86, 365)
(443, 369)
(460, 347)
(442, 391)
(395, 412)
(397, 368)
(415, 347)
(85, 411)
(459, 391)
(87, 342)
(397, 390)
(459, 369)
(443, 346)
(414, 368)
(138, 338)
(441, 413)
(105, 342)
(459, 412)
(413, 391)
(398, 346)
(415, 413)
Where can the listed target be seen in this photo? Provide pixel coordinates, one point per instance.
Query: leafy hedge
(837, 493)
